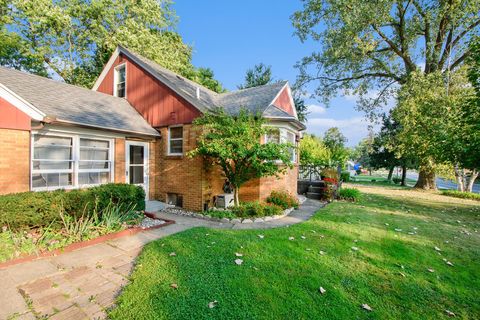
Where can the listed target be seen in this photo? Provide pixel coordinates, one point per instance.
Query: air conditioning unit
(224, 201)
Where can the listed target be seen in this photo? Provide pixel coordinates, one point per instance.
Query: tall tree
(335, 141)
(314, 152)
(233, 143)
(375, 46)
(73, 39)
(259, 75)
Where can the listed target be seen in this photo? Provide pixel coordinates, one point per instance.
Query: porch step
(314, 195)
(315, 189)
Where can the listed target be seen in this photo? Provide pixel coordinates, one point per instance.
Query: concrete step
(314, 195)
(315, 189)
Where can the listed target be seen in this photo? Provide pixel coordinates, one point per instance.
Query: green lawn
(280, 278)
(377, 180)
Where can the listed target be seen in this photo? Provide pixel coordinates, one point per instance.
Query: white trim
(106, 68)
(283, 133)
(115, 79)
(146, 160)
(168, 141)
(20, 103)
(289, 91)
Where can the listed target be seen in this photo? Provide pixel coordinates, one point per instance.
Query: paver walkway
(82, 284)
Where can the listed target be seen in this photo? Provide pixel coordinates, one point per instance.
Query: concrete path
(82, 284)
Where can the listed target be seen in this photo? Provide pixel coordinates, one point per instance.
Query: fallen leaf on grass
(366, 307)
(212, 304)
(431, 270)
(354, 248)
(402, 274)
(449, 263)
(261, 236)
(303, 237)
(291, 238)
(449, 313)
(322, 291)
(398, 230)
(238, 262)
(174, 286)
(438, 249)
(172, 254)
(238, 254)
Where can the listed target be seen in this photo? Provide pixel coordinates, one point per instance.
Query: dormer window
(120, 81)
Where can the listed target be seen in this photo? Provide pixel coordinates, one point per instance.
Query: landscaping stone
(225, 220)
(258, 220)
(247, 221)
(236, 220)
(268, 218)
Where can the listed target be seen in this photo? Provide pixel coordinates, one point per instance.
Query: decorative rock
(207, 216)
(247, 221)
(236, 220)
(268, 218)
(225, 220)
(257, 220)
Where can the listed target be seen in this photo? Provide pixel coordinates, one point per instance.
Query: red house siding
(283, 102)
(157, 103)
(12, 117)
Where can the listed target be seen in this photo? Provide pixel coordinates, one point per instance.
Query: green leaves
(235, 144)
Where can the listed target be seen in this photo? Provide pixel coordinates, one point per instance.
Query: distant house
(134, 126)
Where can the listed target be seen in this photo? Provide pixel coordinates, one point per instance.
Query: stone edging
(86, 243)
(181, 212)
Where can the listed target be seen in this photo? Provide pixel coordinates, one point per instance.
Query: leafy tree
(259, 75)
(206, 77)
(314, 152)
(233, 143)
(431, 111)
(74, 39)
(374, 47)
(300, 107)
(335, 141)
(361, 153)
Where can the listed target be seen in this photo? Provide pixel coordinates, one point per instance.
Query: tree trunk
(459, 176)
(426, 177)
(236, 191)
(471, 182)
(390, 173)
(404, 175)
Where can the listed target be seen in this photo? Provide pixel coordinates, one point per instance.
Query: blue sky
(232, 36)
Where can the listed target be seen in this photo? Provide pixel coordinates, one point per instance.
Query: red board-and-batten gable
(156, 102)
(12, 117)
(284, 101)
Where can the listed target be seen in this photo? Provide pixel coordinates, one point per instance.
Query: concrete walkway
(82, 284)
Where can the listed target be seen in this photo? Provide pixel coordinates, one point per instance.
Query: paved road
(442, 183)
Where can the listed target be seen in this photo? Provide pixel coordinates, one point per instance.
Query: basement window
(175, 199)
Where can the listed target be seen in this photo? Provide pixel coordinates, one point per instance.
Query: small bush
(349, 194)
(39, 209)
(462, 195)
(397, 180)
(345, 176)
(283, 199)
(256, 209)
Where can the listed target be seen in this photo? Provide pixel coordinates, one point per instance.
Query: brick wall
(179, 174)
(14, 161)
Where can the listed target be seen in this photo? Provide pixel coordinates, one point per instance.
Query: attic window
(120, 81)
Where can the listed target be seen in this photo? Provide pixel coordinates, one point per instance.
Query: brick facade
(14, 161)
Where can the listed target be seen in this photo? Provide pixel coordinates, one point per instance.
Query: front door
(136, 164)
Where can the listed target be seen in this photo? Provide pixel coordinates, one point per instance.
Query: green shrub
(397, 180)
(283, 199)
(460, 194)
(345, 176)
(256, 209)
(349, 194)
(36, 209)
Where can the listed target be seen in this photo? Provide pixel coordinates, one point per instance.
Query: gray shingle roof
(256, 99)
(75, 104)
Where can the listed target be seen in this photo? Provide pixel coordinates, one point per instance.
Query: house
(134, 126)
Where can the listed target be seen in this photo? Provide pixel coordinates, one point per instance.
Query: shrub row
(256, 209)
(37, 209)
(349, 194)
(283, 199)
(460, 194)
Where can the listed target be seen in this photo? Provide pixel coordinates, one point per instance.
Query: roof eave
(298, 124)
(83, 125)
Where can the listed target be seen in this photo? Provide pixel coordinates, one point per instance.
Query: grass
(280, 278)
(377, 180)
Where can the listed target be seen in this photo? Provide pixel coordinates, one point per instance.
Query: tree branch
(459, 61)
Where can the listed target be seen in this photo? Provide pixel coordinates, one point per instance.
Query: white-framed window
(282, 135)
(70, 161)
(175, 140)
(120, 81)
(52, 162)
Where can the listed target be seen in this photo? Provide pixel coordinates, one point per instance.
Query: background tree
(314, 152)
(335, 141)
(74, 39)
(233, 143)
(372, 46)
(260, 75)
(432, 110)
(362, 151)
